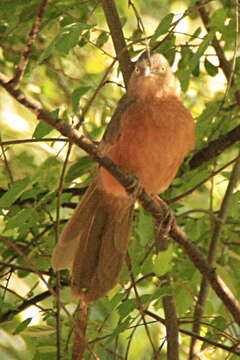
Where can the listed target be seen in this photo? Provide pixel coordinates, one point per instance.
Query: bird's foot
(135, 188)
(163, 226)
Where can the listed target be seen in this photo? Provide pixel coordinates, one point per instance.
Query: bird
(149, 135)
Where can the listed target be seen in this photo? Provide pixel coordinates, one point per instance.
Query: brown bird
(149, 135)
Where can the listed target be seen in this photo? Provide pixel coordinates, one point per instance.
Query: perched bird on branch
(149, 135)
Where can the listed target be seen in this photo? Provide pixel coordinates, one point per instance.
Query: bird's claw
(135, 188)
(163, 227)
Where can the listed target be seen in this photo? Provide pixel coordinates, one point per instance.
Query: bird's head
(153, 76)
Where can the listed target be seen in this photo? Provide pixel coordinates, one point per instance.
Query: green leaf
(41, 130)
(200, 51)
(233, 209)
(219, 322)
(14, 192)
(218, 19)
(119, 329)
(46, 349)
(162, 261)
(76, 95)
(210, 110)
(184, 77)
(196, 34)
(126, 307)
(22, 326)
(163, 27)
(145, 227)
(210, 68)
(102, 39)
(67, 38)
(229, 32)
(79, 168)
(19, 219)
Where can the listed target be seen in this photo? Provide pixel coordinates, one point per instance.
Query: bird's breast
(155, 137)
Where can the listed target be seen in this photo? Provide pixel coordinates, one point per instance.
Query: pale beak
(146, 71)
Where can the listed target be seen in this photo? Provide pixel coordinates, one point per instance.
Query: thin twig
(25, 141)
(230, 349)
(95, 93)
(7, 167)
(58, 276)
(140, 307)
(23, 268)
(188, 192)
(31, 38)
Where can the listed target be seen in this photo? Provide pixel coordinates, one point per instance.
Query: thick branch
(215, 147)
(171, 321)
(33, 301)
(80, 328)
(119, 43)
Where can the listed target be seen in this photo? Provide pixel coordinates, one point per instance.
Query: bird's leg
(163, 226)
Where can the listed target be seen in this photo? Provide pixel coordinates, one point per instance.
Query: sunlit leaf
(163, 27)
(67, 38)
(200, 51)
(145, 227)
(41, 130)
(77, 94)
(211, 69)
(14, 192)
(102, 39)
(162, 261)
(22, 326)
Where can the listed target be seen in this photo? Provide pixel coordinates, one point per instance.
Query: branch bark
(27, 50)
(119, 42)
(80, 331)
(215, 148)
(171, 322)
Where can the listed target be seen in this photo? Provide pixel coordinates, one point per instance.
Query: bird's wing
(113, 130)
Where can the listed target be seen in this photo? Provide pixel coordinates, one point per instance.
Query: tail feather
(64, 252)
(94, 243)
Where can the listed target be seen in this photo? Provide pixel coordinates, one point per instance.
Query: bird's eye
(137, 70)
(162, 69)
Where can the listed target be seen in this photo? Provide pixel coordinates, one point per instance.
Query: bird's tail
(94, 242)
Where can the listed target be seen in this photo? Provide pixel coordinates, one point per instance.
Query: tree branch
(119, 43)
(80, 328)
(171, 321)
(31, 37)
(33, 301)
(215, 148)
(230, 349)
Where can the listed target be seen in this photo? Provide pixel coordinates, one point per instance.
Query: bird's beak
(147, 71)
